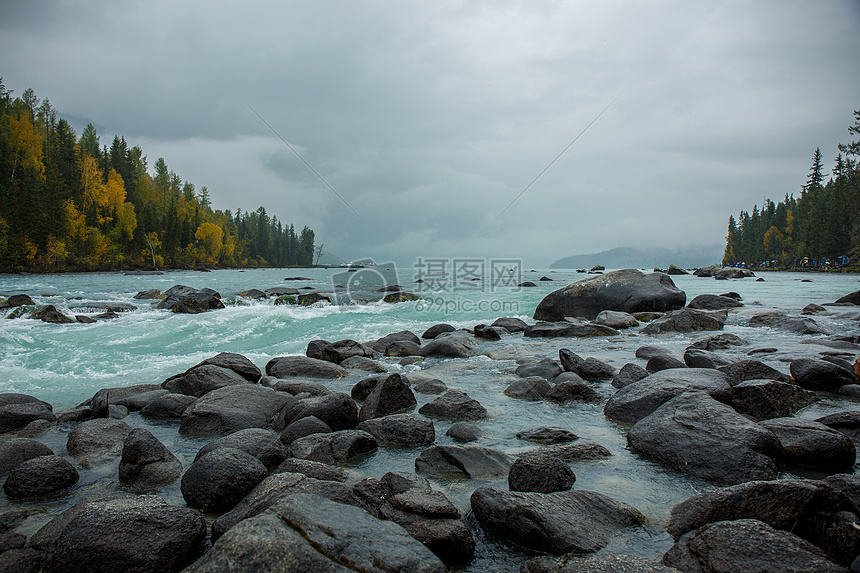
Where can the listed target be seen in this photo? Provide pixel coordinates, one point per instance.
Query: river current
(67, 364)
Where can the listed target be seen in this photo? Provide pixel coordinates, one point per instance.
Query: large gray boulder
(820, 375)
(713, 302)
(455, 406)
(568, 328)
(232, 408)
(96, 441)
(18, 410)
(336, 447)
(40, 477)
(747, 545)
(220, 479)
(203, 379)
(765, 399)
(792, 324)
(336, 409)
(263, 444)
(696, 435)
(812, 444)
(627, 291)
(540, 473)
(121, 532)
(167, 406)
(457, 344)
(237, 363)
(557, 523)
(400, 430)
(306, 532)
(188, 300)
(132, 397)
(639, 399)
(465, 461)
(683, 320)
(304, 367)
(146, 462)
(338, 351)
(390, 396)
(17, 450)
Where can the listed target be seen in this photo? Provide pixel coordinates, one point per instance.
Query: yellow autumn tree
(209, 237)
(95, 192)
(26, 145)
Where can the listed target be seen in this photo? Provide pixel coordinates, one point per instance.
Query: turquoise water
(67, 364)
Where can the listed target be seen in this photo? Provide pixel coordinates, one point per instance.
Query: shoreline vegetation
(818, 229)
(69, 203)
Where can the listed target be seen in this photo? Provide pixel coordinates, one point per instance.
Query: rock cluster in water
(271, 474)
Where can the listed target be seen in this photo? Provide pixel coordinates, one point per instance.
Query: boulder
(132, 397)
(310, 298)
(751, 370)
(436, 330)
(51, 315)
(616, 320)
(307, 532)
(391, 396)
(146, 463)
(766, 399)
(187, 300)
(812, 444)
(402, 348)
(220, 479)
(595, 370)
(18, 410)
(167, 406)
(626, 291)
(569, 360)
(851, 298)
(95, 441)
(336, 409)
(540, 473)
(454, 406)
(400, 430)
(40, 477)
(335, 447)
(338, 351)
(394, 336)
(820, 375)
(795, 325)
(600, 563)
(275, 488)
(203, 379)
(557, 523)
(628, 374)
(20, 300)
(572, 452)
(232, 408)
(485, 332)
(696, 358)
(510, 324)
(732, 273)
(546, 369)
(533, 388)
(253, 294)
(719, 342)
(302, 366)
(17, 450)
(235, 362)
(547, 435)
(430, 386)
(568, 329)
(362, 363)
(450, 345)
(639, 399)
(310, 468)
(696, 435)
(684, 320)
(466, 461)
(121, 532)
(294, 387)
(847, 422)
(572, 390)
(263, 444)
(746, 545)
(303, 427)
(464, 432)
(713, 302)
(151, 294)
(663, 362)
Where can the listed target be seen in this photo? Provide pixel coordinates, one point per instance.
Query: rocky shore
(277, 484)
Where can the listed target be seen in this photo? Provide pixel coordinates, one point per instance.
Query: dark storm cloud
(429, 118)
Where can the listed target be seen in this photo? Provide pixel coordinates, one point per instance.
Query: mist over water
(67, 364)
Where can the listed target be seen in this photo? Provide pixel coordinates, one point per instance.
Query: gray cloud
(429, 118)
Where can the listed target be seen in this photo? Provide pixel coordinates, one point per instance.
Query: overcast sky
(429, 118)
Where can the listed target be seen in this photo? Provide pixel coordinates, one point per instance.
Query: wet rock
(436, 330)
(468, 461)
(302, 366)
(253, 294)
(121, 532)
(713, 302)
(432, 386)
(402, 335)
(277, 487)
(167, 406)
(572, 452)
(52, 315)
(851, 298)
(336, 409)
(226, 410)
(639, 399)
(338, 351)
(235, 362)
(20, 300)
(294, 387)
(547, 435)
(363, 388)
(310, 298)
(151, 294)
(220, 479)
(626, 291)
(391, 396)
(362, 363)
(310, 468)
(450, 345)
(746, 545)
(455, 406)
(203, 379)
(146, 463)
(302, 427)
(510, 324)
(485, 332)
(663, 362)
(557, 523)
(306, 532)
(533, 388)
(812, 309)
(794, 325)
(811, 444)
(732, 273)
(117, 412)
(132, 397)
(751, 370)
(820, 375)
(263, 444)
(568, 391)
(40, 477)
(400, 430)
(187, 300)
(696, 435)
(616, 320)
(628, 374)
(719, 342)
(600, 563)
(15, 451)
(464, 432)
(335, 447)
(595, 370)
(696, 358)
(766, 399)
(684, 320)
(540, 473)
(95, 441)
(400, 348)
(570, 361)
(846, 422)
(568, 329)
(18, 410)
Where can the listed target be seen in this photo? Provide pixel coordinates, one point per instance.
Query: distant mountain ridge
(629, 257)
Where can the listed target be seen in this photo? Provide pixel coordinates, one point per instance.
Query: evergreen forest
(820, 229)
(71, 203)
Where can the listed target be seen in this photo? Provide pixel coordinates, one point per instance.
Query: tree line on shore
(819, 229)
(69, 203)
